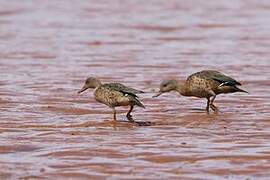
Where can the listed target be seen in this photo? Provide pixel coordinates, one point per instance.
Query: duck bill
(83, 89)
(158, 94)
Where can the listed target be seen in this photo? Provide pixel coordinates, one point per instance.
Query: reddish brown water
(48, 48)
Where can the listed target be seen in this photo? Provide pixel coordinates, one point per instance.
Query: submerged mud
(48, 48)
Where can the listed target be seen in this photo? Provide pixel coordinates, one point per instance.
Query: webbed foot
(214, 108)
(129, 117)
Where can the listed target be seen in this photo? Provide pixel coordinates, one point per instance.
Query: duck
(203, 84)
(114, 95)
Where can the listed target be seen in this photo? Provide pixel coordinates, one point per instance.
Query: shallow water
(48, 48)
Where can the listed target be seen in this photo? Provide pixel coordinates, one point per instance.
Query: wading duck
(204, 84)
(113, 95)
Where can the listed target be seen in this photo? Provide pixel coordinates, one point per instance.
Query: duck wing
(217, 76)
(223, 79)
(124, 89)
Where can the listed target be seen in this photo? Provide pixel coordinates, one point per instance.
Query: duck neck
(97, 85)
(182, 89)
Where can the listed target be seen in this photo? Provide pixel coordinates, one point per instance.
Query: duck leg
(129, 116)
(208, 104)
(114, 114)
(212, 106)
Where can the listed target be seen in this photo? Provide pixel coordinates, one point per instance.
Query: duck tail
(138, 103)
(240, 90)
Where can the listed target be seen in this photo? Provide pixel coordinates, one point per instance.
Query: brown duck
(204, 84)
(113, 95)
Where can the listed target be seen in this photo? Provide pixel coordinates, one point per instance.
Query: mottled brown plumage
(204, 84)
(113, 95)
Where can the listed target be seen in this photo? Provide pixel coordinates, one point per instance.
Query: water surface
(48, 48)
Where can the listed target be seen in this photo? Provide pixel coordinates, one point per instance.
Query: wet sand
(48, 48)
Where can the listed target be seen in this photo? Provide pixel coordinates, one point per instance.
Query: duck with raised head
(113, 95)
(204, 84)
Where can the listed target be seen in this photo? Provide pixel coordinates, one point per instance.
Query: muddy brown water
(48, 48)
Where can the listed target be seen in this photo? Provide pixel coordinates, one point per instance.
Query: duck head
(167, 86)
(90, 82)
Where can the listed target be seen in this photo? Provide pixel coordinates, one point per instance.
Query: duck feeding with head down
(204, 84)
(114, 95)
